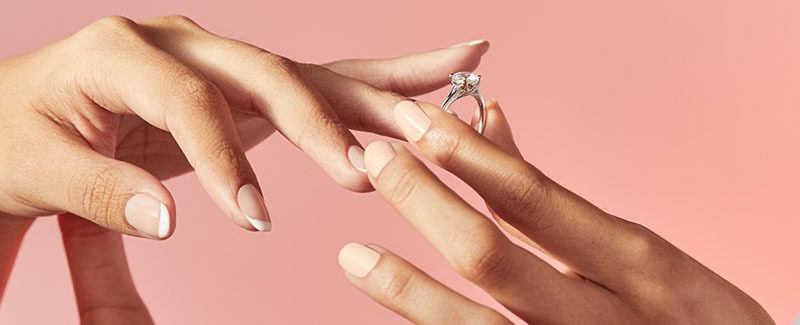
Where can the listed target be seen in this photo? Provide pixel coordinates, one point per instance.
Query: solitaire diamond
(466, 80)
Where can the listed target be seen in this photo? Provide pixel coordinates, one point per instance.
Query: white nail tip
(356, 156)
(163, 221)
(260, 225)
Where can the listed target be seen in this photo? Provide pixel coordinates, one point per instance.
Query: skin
(120, 106)
(618, 272)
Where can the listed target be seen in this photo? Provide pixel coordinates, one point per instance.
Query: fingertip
(481, 45)
(150, 216)
(353, 179)
(498, 129)
(377, 155)
(253, 208)
(358, 260)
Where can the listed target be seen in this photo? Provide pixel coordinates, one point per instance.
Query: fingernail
(251, 203)
(356, 156)
(412, 120)
(472, 43)
(378, 154)
(357, 260)
(148, 215)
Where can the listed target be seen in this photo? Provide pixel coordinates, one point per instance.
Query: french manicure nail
(251, 203)
(472, 43)
(358, 260)
(148, 215)
(356, 156)
(378, 154)
(412, 120)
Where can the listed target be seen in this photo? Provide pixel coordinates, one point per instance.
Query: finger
(277, 90)
(360, 105)
(360, 90)
(499, 132)
(470, 242)
(113, 194)
(497, 128)
(562, 223)
(414, 74)
(173, 97)
(12, 230)
(406, 290)
(104, 289)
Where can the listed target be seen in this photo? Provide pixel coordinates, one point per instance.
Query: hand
(104, 290)
(618, 272)
(90, 125)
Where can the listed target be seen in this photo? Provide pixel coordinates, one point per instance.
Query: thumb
(113, 194)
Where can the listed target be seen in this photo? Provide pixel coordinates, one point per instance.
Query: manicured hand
(92, 124)
(618, 272)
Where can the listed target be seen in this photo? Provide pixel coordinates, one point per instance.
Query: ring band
(466, 84)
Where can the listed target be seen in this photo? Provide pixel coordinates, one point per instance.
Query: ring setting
(466, 84)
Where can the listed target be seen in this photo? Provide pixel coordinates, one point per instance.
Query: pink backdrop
(681, 115)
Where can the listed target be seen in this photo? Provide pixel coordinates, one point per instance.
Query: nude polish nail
(411, 119)
(356, 156)
(377, 155)
(251, 203)
(471, 43)
(148, 215)
(358, 260)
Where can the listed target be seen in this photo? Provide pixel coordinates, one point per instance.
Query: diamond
(462, 79)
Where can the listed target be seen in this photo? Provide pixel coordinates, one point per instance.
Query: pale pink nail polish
(356, 156)
(251, 203)
(148, 215)
(411, 119)
(358, 260)
(377, 155)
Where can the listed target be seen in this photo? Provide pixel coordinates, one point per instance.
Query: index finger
(104, 289)
(562, 223)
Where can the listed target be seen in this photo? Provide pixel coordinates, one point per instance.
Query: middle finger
(472, 244)
(595, 244)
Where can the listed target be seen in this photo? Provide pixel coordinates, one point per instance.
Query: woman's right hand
(92, 124)
(617, 272)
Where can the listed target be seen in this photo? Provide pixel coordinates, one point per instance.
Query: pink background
(681, 115)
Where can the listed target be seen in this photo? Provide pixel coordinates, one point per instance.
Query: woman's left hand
(618, 272)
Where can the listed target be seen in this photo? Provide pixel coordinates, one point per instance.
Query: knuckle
(227, 158)
(111, 28)
(328, 124)
(483, 261)
(525, 195)
(114, 23)
(395, 287)
(448, 149)
(276, 64)
(641, 245)
(400, 81)
(651, 261)
(195, 88)
(98, 196)
(180, 21)
(103, 35)
(401, 184)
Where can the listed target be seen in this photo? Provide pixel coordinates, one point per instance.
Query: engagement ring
(466, 84)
